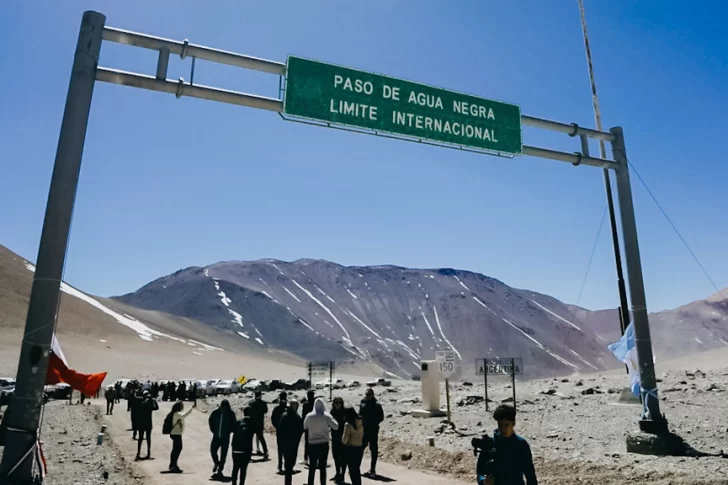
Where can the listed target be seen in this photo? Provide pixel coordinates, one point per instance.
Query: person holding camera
(505, 459)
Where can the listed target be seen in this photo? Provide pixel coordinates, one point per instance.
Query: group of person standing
(345, 431)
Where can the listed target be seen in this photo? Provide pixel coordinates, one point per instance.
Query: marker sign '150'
(360, 99)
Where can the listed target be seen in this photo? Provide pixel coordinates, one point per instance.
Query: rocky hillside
(98, 334)
(388, 315)
(696, 327)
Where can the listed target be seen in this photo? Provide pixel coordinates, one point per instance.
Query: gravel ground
(577, 436)
(575, 426)
(73, 457)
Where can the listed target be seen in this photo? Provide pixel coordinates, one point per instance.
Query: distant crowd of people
(345, 431)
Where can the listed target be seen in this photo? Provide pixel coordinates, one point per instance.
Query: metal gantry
(23, 420)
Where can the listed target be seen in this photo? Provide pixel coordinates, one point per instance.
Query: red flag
(58, 371)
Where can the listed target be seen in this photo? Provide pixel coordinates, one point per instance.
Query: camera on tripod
(484, 449)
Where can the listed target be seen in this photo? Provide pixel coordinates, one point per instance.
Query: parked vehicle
(379, 382)
(227, 387)
(354, 384)
(255, 385)
(298, 385)
(276, 385)
(6, 383)
(62, 391)
(204, 387)
(6, 395)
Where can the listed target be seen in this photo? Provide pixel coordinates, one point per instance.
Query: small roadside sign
(446, 363)
(504, 367)
(499, 367)
(321, 369)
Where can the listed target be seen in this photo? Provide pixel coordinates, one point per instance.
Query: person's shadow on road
(379, 478)
(221, 479)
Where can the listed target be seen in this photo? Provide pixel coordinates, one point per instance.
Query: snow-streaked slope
(368, 313)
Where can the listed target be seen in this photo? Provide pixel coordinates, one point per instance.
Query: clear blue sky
(170, 183)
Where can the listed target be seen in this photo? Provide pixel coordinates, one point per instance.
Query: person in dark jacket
(259, 409)
(512, 460)
(110, 396)
(135, 398)
(307, 409)
(337, 447)
(145, 407)
(117, 388)
(290, 430)
(222, 423)
(372, 415)
(242, 446)
(275, 418)
(182, 391)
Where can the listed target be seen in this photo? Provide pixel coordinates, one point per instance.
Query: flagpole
(624, 315)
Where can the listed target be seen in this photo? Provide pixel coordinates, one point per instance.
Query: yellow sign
(242, 380)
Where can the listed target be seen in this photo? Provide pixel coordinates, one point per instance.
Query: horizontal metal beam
(193, 50)
(570, 129)
(572, 158)
(180, 89)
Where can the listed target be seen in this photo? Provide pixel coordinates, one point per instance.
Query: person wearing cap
(275, 418)
(307, 409)
(145, 408)
(259, 410)
(222, 422)
(372, 415)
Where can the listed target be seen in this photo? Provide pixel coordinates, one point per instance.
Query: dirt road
(197, 464)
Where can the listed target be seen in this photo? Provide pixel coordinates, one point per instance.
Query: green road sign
(349, 97)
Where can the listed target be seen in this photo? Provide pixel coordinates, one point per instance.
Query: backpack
(168, 424)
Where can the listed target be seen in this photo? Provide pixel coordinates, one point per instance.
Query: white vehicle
(339, 384)
(227, 387)
(322, 384)
(6, 383)
(379, 382)
(252, 385)
(204, 387)
(354, 384)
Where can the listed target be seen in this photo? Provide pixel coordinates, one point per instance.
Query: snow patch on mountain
(437, 320)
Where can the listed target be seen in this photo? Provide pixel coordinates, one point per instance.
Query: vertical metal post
(485, 379)
(624, 316)
(652, 419)
(447, 397)
(24, 416)
(310, 376)
(162, 63)
(331, 381)
(623, 308)
(513, 380)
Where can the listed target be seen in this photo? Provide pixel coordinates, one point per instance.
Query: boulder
(589, 391)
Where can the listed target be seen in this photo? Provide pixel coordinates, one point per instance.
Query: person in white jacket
(318, 423)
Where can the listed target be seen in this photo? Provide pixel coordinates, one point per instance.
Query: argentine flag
(625, 351)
